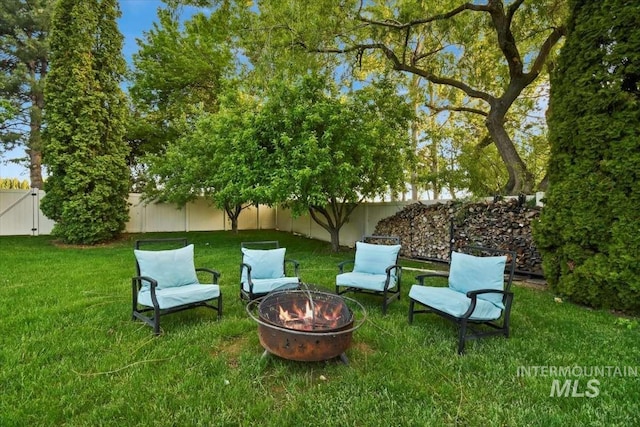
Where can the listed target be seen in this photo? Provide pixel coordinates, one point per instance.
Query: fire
(310, 316)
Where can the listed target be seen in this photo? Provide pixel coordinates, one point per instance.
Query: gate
(20, 213)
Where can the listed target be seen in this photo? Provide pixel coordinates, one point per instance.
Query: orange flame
(306, 318)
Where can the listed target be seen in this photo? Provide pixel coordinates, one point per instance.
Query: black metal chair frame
(388, 295)
(138, 312)
(465, 324)
(263, 244)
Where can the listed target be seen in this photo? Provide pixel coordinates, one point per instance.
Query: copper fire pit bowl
(325, 333)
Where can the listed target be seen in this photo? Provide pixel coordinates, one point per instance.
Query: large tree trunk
(335, 240)
(34, 148)
(332, 225)
(233, 212)
(332, 218)
(520, 179)
(35, 169)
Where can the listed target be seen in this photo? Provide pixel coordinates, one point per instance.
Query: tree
(589, 229)
(219, 159)
(14, 184)
(24, 63)
(178, 73)
(328, 152)
(490, 52)
(8, 112)
(86, 110)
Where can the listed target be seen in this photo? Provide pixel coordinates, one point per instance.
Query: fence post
(452, 237)
(366, 221)
(186, 217)
(35, 212)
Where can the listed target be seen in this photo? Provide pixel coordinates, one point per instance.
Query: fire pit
(305, 325)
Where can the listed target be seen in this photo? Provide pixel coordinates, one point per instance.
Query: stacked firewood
(427, 231)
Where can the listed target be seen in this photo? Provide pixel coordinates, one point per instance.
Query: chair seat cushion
(264, 286)
(181, 295)
(453, 302)
(372, 282)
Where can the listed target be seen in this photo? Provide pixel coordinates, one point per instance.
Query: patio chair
(263, 269)
(477, 295)
(166, 281)
(375, 269)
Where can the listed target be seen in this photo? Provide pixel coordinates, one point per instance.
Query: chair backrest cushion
(374, 259)
(265, 263)
(470, 273)
(170, 268)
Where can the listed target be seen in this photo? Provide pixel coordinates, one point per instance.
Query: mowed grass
(71, 355)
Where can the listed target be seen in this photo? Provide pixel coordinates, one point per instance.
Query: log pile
(426, 230)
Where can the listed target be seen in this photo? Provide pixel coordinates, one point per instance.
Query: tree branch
(418, 57)
(406, 44)
(506, 41)
(511, 10)
(313, 209)
(458, 109)
(486, 141)
(470, 91)
(400, 66)
(545, 49)
(390, 23)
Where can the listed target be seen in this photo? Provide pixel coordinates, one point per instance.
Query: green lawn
(71, 355)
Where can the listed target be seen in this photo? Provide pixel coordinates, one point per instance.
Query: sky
(137, 17)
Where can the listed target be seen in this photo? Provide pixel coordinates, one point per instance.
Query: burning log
(321, 316)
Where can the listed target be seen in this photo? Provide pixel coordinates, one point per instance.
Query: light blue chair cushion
(264, 286)
(470, 273)
(453, 302)
(265, 263)
(374, 259)
(170, 268)
(180, 295)
(373, 282)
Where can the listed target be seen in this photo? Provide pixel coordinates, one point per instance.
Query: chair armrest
(474, 298)
(396, 267)
(474, 294)
(420, 277)
(249, 282)
(136, 285)
(137, 281)
(248, 267)
(295, 264)
(345, 263)
(215, 275)
(388, 270)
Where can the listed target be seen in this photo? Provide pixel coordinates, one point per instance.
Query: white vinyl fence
(362, 222)
(20, 215)
(195, 216)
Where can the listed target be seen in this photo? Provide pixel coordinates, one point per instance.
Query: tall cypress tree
(589, 230)
(86, 111)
